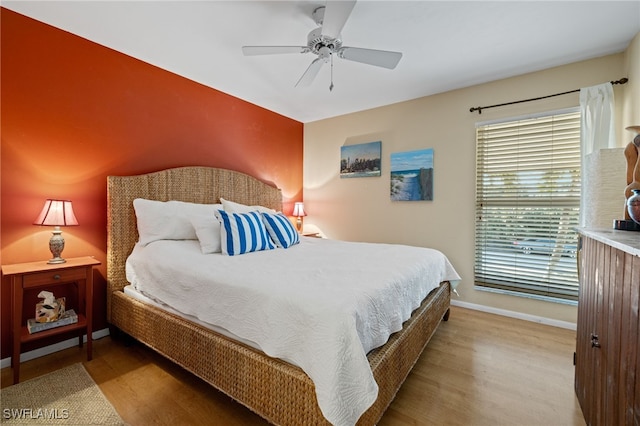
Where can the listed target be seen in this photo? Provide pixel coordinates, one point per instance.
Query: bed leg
(118, 334)
(446, 315)
(114, 331)
(128, 340)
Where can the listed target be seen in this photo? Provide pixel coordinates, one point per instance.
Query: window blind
(528, 205)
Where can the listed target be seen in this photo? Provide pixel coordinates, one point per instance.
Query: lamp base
(56, 245)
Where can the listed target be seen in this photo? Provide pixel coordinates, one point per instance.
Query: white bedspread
(321, 304)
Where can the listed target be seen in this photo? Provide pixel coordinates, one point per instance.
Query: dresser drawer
(54, 277)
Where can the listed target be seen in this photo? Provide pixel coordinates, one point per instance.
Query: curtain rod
(479, 109)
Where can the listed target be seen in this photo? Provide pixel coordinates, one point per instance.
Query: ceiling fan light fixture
(316, 41)
(325, 54)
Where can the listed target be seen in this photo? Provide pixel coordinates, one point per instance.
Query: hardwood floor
(478, 369)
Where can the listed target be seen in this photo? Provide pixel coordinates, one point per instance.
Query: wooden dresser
(607, 359)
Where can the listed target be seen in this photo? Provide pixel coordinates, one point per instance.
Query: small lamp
(56, 213)
(299, 213)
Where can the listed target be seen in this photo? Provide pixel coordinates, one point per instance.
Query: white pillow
(242, 233)
(168, 220)
(208, 232)
(231, 207)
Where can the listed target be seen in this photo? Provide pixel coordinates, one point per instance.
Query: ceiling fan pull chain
(331, 86)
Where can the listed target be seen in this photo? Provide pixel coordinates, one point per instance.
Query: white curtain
(597, 131)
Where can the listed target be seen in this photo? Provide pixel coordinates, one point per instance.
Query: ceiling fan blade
(336, 14)
(379, 58)
(272, 50)
(311, 72)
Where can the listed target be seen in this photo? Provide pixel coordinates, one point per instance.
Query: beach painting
(412, 175)
(361, 160)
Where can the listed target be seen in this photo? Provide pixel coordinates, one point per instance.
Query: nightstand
(34, 275)
(311, 234)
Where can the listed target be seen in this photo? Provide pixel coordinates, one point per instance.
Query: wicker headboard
(203, 185)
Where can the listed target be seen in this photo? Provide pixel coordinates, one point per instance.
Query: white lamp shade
(56, 213)
(603, 190)
(298, 210)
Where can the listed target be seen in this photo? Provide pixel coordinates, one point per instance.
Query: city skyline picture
(361, 160)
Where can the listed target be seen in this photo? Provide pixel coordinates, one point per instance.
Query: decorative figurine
(50, 309)
(631, 221)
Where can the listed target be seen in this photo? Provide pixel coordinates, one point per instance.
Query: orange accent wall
(74, 112)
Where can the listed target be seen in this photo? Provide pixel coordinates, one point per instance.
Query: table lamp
(56, 213)
(299, 213)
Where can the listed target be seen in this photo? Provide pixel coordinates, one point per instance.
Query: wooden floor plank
(479, 369)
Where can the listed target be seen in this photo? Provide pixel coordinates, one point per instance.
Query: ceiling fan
(326, 42)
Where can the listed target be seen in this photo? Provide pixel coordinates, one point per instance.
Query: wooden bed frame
(276, 390)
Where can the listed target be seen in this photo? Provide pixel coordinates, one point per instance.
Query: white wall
(359, 209)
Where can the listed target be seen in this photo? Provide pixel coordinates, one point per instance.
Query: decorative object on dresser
(631, 221)
(602, 192)
(33, 275)
(633, 206)
(56, 213)
(299, 213)
(607, 357)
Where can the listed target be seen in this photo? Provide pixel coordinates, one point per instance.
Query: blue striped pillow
(242, 233)
(281, 230)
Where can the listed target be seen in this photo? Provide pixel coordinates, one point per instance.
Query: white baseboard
(46, 350)
(513, 314)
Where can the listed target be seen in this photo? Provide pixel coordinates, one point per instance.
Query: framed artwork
(361, 160)
(412, 175)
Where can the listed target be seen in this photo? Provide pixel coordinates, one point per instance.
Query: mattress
(130, 290)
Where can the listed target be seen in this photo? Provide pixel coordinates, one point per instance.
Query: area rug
(68, 396)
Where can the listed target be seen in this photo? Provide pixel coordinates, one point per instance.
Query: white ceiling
(446, 44)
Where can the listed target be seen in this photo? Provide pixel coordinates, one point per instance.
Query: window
(528, 205)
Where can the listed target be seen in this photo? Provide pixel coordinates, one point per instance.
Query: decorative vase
(633, 206)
